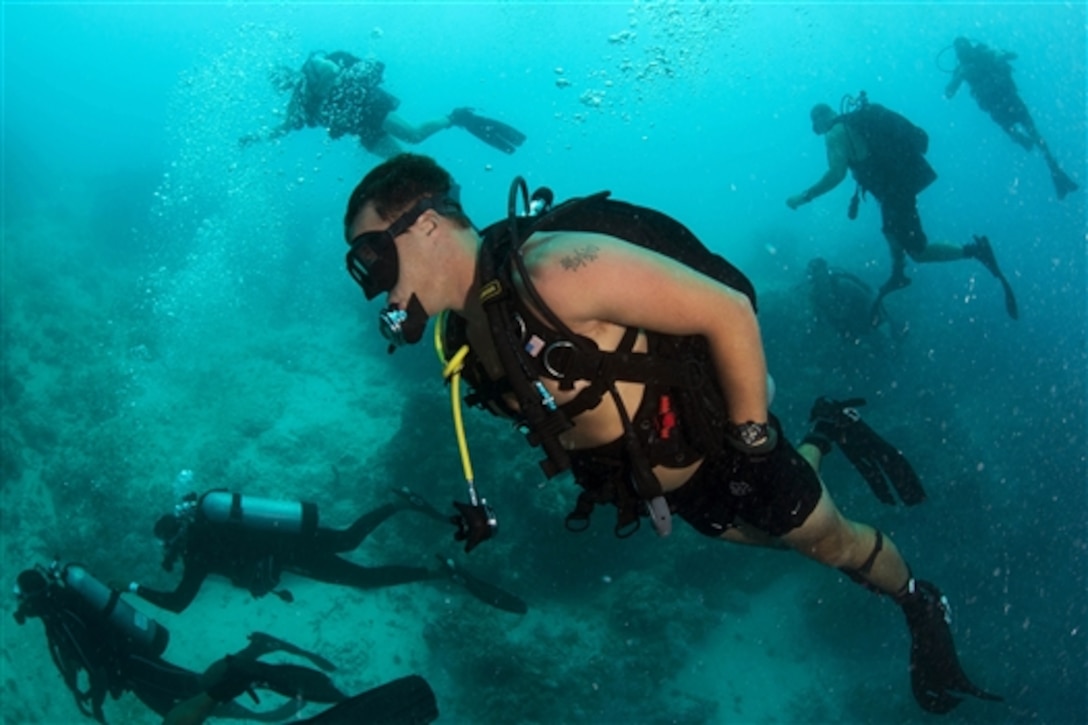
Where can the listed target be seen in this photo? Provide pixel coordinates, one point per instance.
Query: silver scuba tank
(259, 514)
(139, 629)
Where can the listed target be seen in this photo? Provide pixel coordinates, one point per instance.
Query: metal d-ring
(567, 344)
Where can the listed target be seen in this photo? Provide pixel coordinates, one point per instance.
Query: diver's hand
(797, 200)
(249, 139)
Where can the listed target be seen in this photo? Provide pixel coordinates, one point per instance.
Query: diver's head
(320, 71)
(817, 267)
(384, 212)
(31, 590)
(823, 117)
(962, 47)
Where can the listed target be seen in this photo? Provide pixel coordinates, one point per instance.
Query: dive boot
(938, 681)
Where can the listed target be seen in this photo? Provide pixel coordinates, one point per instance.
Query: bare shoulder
(565, 253)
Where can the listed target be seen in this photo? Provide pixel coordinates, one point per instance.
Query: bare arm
(397, 127)
(177, 600)
(838, 158)
(593, 281)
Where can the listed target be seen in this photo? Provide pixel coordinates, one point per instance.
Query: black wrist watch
(751, 433)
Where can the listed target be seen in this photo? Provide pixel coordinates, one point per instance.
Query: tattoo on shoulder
(581, 257)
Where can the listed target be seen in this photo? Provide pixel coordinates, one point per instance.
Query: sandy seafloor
(171, 301)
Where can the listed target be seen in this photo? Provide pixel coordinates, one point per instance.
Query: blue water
(171, 300)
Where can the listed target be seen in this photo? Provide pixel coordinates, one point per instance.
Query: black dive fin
(485, 592)
(494, 133)
(881, 463)
(261, 643)
(407, 701)
(878, 461)
(1010, 299)
(984, 252)
(936, 677)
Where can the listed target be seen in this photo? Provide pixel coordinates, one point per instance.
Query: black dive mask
(373, 261)
(403, 327)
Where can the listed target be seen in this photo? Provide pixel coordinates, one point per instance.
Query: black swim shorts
(902, 224)
(778, 501)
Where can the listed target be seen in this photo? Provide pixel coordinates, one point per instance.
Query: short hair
(396, 184)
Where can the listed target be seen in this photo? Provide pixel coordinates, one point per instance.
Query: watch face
(752, 432)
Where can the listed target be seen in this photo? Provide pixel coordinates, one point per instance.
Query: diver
(252, 541)
(989, 75)
(845, 302)
(886, 155)
(103, 646)
(631, 356)
(344, 95)
(404, 701)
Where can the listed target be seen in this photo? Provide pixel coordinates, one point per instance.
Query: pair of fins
(882, 465)
(494, 133)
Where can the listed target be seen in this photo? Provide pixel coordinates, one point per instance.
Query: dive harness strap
(541, 414)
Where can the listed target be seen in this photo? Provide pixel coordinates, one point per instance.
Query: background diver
(885, 152)
(989, 75)
(253, 540)
(102, 646)
(343, 94)
(711, 453)
(846, 303)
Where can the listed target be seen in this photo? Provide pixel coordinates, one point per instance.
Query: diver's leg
(337, 540)
(334, 570)
(831, 539)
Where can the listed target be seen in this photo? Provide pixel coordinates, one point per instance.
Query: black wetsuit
(96, 660)
(254, 559)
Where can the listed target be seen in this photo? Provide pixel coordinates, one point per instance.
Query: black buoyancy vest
(679, 365)
(897, 148)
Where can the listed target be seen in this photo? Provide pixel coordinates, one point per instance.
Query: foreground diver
(405, 701)
(885, 153)
(253, 540)
(639, 374)
(102, 645)
(989, 75)
(342, 94)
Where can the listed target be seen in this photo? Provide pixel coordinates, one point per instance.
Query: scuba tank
(259, 514)
(145, 633)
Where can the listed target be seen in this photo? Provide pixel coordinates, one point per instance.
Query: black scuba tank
(259, 514)
(144, 633)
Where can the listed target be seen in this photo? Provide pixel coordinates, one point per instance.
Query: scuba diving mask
(373, 261)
